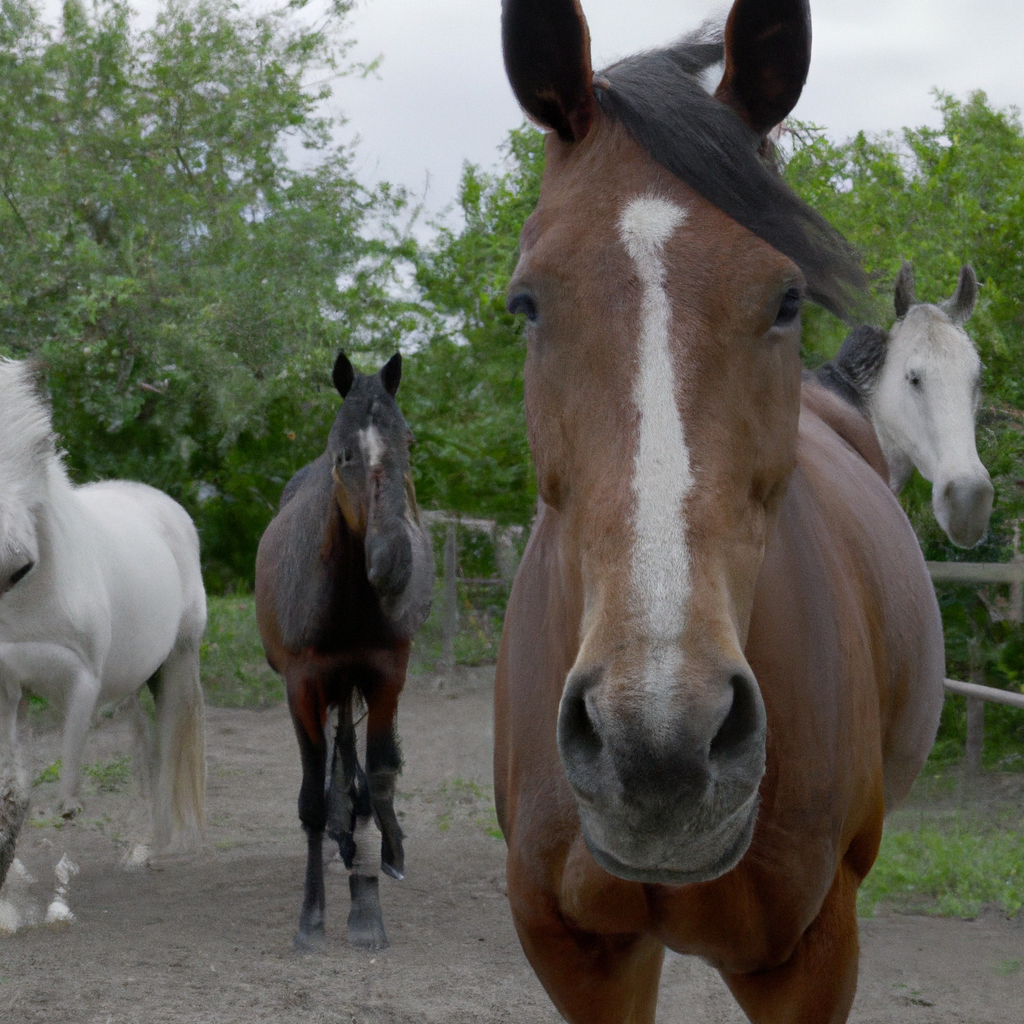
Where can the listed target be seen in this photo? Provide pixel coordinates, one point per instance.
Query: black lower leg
(311, 918)
(383, 766)
(341, 794)
(313, 815)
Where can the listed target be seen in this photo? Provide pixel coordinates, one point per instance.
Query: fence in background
(506, 540)
(983, 574)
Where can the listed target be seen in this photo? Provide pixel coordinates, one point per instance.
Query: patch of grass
(950, 868)
(1008, 967)
(235, 672)
(468, 802)
(110, 776)
(51, 773)
(37, 708)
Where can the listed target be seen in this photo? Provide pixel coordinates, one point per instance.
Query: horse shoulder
(301, 564)
(846, 421)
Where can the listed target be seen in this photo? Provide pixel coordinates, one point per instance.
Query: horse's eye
(523, 303)
(789, 307)
(914, 379)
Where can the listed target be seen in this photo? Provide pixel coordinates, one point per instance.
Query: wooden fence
(506, 555)
(977, 694)
(506, 541)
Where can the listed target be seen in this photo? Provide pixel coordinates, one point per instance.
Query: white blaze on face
(371, 446)
(660, 573)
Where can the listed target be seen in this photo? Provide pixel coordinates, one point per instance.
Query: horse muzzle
(671, 799)
(963, 506)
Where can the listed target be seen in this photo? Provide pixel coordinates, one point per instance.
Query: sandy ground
(210, 940)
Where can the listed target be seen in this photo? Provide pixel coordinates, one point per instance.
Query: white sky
(442, 98)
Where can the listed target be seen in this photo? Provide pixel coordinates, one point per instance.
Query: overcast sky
(442, 97)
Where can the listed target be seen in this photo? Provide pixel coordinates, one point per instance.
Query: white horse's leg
(179, 794)
(142, 752)
(13, 788)
(81, 704)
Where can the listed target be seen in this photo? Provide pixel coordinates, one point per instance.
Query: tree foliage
(183, 285)
(465, 390)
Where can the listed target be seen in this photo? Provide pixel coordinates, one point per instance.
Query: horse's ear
(343, 374)
(903, 297)
(547, 59)
(960, 307)
(391, 374)
(767, 54)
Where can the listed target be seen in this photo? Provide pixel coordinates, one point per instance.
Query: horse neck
(58, 514)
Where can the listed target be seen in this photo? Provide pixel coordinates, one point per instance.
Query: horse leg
(341, 794)
(383, 766)
(365, 919)
(308, 718)
(142, 746)
(82, 699)
(593, 979)
(13, 790)
(818, 982)
(350, 823)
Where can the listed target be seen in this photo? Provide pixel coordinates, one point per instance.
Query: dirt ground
(210, 940)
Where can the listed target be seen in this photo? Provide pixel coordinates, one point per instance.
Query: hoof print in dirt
(365, 922)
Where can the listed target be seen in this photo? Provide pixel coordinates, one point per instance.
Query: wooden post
(1016, 590)
(975, 712)
(450, 611)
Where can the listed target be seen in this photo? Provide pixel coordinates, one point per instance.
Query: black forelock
(659, 98)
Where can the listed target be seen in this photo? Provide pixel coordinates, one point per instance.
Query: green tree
(465, 386)
(185, 285)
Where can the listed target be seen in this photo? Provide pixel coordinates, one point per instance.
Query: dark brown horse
(722, 659)
(344, 577)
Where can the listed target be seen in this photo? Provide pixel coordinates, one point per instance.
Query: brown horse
(344, 577)
(722, 659)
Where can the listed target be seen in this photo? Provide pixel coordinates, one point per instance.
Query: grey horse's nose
(967, 503)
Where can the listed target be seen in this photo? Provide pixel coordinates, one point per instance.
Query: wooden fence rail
(977, 694)
(987, 693)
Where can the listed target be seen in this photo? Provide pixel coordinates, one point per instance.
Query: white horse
(100, 593)
(920, 385)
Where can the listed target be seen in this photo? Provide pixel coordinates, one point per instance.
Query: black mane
(659, 98)
(855, 368)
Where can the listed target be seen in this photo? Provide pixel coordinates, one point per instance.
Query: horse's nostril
(742, 723)
(578, 737)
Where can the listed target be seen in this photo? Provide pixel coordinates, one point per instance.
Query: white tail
(179, 815)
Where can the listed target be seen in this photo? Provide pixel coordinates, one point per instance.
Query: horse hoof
(391, 871)
(312, 941)
(367, 933)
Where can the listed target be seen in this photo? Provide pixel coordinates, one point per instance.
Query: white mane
(26, 429)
